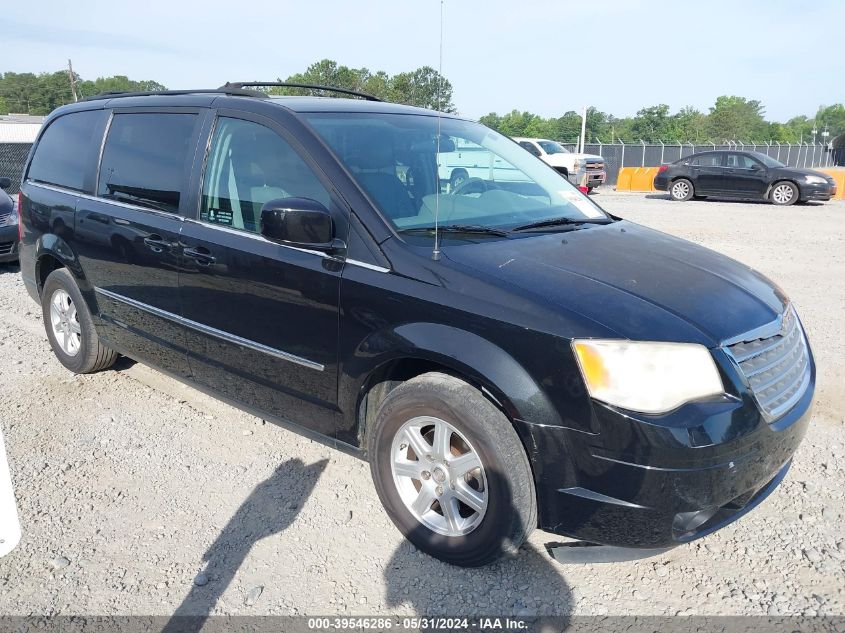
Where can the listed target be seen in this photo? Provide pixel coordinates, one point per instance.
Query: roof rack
(233, 91)
(239, 85)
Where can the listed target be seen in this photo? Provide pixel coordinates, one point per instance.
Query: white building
(19, 128)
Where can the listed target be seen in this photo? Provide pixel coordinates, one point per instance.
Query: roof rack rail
(239, 85)
(233, 91)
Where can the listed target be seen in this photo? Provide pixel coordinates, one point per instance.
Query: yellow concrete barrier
(636, 179)
(839, 176)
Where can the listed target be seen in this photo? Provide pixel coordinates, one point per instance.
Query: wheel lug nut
(439, 490)
(426, 475)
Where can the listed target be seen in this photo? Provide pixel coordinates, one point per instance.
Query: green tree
(737, 118)
(118, 83)
(4, 109)
(689, 125)
(652, 123)
(423, 87)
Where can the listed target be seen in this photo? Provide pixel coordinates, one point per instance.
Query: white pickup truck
(582, 169)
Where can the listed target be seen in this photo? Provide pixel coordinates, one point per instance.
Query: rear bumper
(661, 182)
(9, 243)
(647, 485)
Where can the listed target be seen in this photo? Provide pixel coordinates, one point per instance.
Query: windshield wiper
(458, 228)
(561, 222)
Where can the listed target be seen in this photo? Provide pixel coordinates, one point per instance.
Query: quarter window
(145, 158)
(249, 165)
(60, 157)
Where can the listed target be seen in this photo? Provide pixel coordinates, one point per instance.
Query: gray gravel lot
(139, 495)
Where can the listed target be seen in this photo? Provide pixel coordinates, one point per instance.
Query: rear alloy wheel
(70, 329)
(451, 471)
(784, 193)
(681, 189)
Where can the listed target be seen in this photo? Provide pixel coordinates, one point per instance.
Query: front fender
(479, 360)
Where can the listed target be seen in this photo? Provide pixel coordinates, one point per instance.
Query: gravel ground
(139, 495)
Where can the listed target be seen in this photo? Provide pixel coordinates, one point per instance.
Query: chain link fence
(618, 155)
(12, 159)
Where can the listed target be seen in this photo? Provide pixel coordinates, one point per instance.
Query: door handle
(156, 244)
(201, 254)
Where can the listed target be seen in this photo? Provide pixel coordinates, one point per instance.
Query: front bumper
(595, 178)
(648, 485)
(9, 243)
(817, 191)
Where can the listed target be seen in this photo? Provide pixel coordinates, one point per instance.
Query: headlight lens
(647, 377)
(11, 219)
(816, 180)
(576, 165)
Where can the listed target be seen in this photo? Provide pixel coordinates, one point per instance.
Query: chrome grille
(776, 367)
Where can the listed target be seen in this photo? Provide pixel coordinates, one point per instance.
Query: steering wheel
(470, 185)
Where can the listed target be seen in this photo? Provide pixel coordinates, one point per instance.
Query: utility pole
(72, 80)
(583, 129)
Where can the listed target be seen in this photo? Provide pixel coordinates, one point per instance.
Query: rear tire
(784, 193)
(681, 189)
(70, 329)
(453, 427)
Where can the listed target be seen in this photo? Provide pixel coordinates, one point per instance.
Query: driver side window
(248, 165)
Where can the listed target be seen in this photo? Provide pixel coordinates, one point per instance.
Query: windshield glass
(483, 178)
(550, 147)
(768, 161)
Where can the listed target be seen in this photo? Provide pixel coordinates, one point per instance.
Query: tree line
(731, 118)
(30, 93)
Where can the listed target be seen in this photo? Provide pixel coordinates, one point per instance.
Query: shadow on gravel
(271, 508)
(527, 584)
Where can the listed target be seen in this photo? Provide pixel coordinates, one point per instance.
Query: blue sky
(544, 56)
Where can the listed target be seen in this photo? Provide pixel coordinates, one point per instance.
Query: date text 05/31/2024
(418, 623)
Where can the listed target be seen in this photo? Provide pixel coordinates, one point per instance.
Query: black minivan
(504, 353)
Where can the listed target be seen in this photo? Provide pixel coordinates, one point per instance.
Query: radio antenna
(435, 254)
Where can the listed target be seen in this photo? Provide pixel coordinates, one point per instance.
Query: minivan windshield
(550, 147)
(416, 166)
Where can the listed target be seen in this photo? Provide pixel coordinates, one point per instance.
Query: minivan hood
(638, 282)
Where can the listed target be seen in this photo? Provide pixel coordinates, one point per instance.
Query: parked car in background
(739, 174)
(581, 169)
(506, 355)
(8, 224)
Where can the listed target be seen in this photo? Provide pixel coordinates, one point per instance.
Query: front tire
(784, 193)
(451, 471)
(70, 329)
(681, 189)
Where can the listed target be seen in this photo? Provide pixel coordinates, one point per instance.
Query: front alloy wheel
(451, 471)
(784, 193)
(439, 476)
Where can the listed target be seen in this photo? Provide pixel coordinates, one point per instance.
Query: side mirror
(755, 167)
(300, 222)
(5, 182)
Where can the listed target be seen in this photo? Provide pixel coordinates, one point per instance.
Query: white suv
(585, 170)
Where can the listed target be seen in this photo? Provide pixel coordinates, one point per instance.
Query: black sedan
(738, 174)
(8, 224)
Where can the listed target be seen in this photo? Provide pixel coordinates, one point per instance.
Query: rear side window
(145, 158)
(707, 160)
(66, 150)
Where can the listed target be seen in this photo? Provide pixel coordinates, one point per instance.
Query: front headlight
(816, 180)
(576, 165)
(11, 219)
(647, 377)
